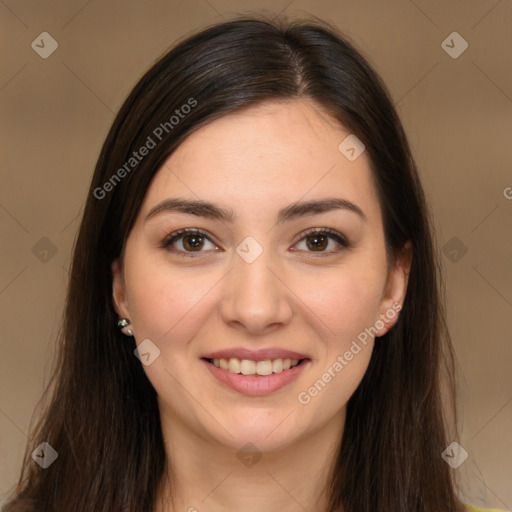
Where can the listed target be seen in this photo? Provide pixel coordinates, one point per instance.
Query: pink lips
(256, 385)
(255, 355)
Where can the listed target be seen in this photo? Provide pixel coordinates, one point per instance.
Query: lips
(256, 385)
(255, 355)
(256, 372)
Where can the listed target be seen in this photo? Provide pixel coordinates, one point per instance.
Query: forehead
(257, 160)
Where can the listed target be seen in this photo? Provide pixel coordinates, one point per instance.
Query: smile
(255, 377)
(248, 367)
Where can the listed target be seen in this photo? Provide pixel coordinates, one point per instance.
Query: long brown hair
(101, 414)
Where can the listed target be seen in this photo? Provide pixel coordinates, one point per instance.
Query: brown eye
(318, 240)
(192, 242)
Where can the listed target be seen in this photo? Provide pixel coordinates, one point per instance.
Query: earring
(123, 325)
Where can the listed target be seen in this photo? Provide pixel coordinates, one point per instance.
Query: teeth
(264, 367)
(234, 365)
(248, 367)
(277, 365)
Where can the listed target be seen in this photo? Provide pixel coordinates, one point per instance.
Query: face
(256, 282)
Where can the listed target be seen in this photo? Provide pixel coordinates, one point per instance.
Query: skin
(256, 162)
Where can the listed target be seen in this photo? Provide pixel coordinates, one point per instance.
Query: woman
(254, 317)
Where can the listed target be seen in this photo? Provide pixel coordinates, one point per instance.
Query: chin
(269, 434)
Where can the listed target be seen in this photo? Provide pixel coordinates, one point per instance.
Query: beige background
(457, 113)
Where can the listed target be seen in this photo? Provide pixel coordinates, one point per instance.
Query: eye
(317, 240)
(191, 240)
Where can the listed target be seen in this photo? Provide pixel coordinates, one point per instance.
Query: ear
(395, 290)
(118, 291)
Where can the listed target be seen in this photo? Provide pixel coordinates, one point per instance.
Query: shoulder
(473, 508)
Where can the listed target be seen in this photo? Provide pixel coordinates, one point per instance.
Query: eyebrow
(293, 211)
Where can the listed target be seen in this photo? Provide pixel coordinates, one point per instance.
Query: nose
(256, 297)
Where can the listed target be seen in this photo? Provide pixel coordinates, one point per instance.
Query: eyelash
(334, 235)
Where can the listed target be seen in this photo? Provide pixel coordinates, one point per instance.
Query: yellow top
(472, 508)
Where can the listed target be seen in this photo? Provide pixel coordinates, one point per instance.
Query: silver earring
(123, 325)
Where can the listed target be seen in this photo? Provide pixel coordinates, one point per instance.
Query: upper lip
(255, 355)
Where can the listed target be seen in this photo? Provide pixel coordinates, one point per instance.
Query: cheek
(164, 303)
(346, 302)
(347, 305)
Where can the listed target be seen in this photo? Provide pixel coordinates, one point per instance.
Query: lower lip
(256, 385)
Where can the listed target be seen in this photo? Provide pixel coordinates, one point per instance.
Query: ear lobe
(118, 290)
(396, 288)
